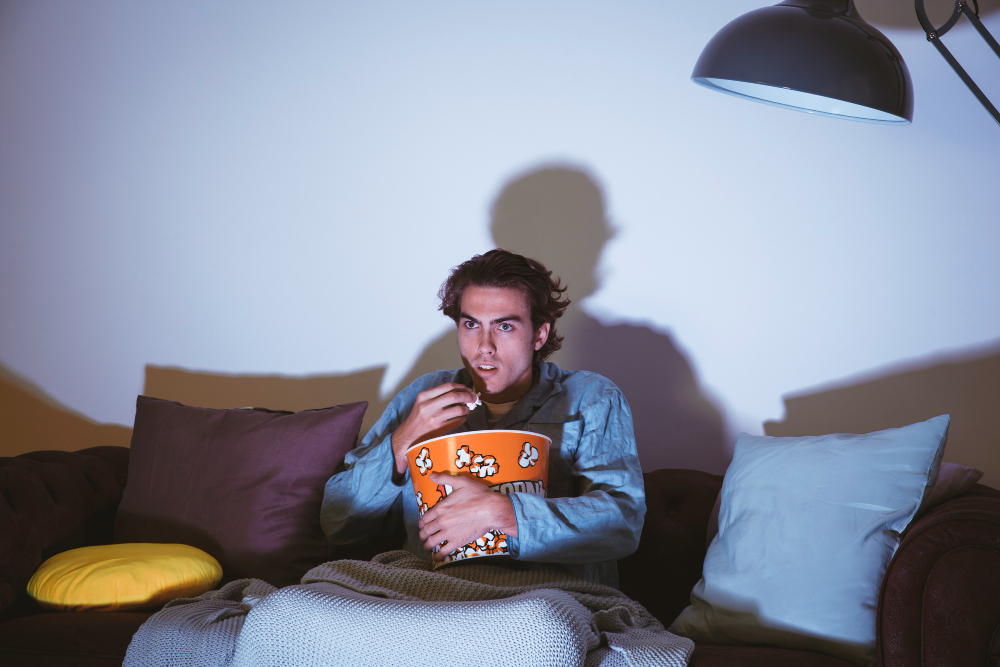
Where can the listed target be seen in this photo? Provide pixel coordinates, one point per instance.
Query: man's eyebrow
(505, 318)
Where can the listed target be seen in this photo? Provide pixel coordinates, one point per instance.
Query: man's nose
(486, 344)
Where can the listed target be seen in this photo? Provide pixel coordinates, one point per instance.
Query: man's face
(497, 341)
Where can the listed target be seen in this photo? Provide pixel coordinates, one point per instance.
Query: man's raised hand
(466, 514)
(435, 412)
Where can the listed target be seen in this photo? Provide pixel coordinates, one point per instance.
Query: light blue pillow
(807, 527)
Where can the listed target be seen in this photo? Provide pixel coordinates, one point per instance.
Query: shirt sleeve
(356, 500)
(604, 521)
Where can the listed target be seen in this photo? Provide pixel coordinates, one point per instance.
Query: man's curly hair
(502, 268)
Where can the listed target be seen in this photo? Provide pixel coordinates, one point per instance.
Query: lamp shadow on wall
(556, 214)
(964, 385)
(901, 14)
(32, 420)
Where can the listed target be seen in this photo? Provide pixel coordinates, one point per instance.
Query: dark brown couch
(939, 605)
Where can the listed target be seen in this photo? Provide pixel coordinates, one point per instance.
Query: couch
(939, 603)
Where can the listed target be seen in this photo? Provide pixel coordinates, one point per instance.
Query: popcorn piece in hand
(473, 406)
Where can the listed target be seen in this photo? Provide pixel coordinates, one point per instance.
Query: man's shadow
(557, 215)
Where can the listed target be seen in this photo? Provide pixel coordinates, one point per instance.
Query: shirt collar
(546, 385)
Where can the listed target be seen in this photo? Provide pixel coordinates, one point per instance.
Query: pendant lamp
(817, 56)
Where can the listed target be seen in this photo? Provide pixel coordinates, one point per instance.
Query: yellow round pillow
(117, 577)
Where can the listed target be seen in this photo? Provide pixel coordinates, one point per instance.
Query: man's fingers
(455, 412)
(446, 478)
(430, 515)
(446, 406)
(434, 533)
(441, 411)
(426, 531)
(452, 539)
(458, 482)
(441, 390)
(442, 553)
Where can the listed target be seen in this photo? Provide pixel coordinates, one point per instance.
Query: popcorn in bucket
(506, 461)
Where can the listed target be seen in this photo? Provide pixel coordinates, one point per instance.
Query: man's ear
(541, 335)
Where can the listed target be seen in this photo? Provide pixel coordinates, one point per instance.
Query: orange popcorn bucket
(506, 461)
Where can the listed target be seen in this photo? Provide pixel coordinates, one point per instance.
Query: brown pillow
(245, 485)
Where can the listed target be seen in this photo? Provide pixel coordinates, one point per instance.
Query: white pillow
(807, 527)
(953, 479)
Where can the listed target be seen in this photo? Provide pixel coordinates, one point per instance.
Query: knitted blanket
(395, 610)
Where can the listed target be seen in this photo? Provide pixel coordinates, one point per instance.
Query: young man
(506, 307)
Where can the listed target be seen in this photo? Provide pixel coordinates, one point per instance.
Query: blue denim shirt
(596, 501)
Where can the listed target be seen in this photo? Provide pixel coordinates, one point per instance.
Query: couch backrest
(668, 562)
(53, 501)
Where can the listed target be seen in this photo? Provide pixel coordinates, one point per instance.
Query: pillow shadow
(273, 392)
(965, 385)
(31, 420)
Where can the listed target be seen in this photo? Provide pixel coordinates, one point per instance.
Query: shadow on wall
(556, 215)
(901, 13)
(275, 392)
(32, 420)
(968, 389)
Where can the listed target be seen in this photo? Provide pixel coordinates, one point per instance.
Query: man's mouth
(486, 367)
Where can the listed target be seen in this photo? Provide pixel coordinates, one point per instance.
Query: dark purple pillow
(245, 485)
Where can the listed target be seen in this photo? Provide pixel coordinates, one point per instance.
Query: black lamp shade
(819, 57)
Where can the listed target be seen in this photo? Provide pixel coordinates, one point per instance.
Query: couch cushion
(62, 639)
(667, 564)
(244, 485)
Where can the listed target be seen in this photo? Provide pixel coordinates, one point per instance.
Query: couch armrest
(53, 501)
(940, 598)
(668, 562)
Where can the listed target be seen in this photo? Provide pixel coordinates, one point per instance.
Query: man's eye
(469, 324)
(505, 326)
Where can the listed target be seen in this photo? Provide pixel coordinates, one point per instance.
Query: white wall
(280, 188)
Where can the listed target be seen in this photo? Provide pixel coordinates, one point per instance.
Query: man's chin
(488, 393)
(491, 391)
(486, 385)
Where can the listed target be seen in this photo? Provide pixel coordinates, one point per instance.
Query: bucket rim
(454, 435)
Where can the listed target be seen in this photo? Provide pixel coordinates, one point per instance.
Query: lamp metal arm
(962, 8)
(983, 32)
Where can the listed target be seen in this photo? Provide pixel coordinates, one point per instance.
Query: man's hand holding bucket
(482, 510)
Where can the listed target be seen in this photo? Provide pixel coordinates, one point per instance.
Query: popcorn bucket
(506, 461)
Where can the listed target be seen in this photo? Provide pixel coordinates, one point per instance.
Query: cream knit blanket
(395, 610)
